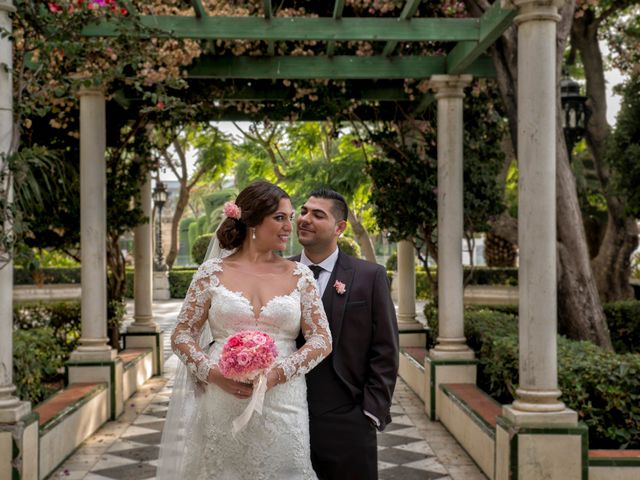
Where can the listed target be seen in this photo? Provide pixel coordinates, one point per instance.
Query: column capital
(449, 86)
(534, 9)
(7, 6)
(91, 91)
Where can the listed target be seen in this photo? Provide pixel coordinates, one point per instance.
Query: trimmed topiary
(199, 247)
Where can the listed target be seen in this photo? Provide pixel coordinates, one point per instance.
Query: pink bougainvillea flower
(54, 7)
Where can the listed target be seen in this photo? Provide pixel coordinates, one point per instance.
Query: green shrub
(22, 276)
(128, 284)
(179, 281)
(623, 319)
(37, 362)
(216, 199)
(349, 246)
(199, 248)
(392, 262)
(194, 233)
(603, 387)
(203, 226)
(491, 276)
(424, 291)
(62, 317)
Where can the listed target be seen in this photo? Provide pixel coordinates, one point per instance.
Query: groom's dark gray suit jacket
(363, 365)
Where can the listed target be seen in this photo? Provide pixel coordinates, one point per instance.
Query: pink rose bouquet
(246, 355)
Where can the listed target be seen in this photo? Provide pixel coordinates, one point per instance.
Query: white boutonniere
(340, 287)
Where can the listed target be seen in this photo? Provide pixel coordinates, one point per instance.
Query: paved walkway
(411, 447)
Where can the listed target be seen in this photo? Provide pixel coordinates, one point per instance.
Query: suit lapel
(335, 303)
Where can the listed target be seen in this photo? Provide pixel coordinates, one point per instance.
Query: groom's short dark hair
(339, 209)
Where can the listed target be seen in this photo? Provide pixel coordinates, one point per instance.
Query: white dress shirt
(328, 264)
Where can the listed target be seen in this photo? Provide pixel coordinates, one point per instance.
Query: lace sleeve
(191, 320)
(314, 325)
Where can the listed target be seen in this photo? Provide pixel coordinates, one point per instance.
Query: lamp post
(575, 113)
(159, 199)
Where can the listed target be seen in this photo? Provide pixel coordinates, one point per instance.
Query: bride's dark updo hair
(256, 201)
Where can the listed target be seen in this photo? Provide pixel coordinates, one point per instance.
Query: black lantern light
(159, 199)
(575, 113)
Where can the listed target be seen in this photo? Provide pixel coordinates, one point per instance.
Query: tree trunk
(116, 283)
(612, 264)
(362, 237)
(580, 313)
(181, 205)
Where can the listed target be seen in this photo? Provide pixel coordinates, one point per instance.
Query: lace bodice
(229, 311)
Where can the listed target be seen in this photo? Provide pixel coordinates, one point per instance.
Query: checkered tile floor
(127, 449)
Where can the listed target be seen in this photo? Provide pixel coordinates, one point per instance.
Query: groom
(350, 392)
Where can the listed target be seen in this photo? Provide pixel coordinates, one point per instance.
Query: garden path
(411, 447)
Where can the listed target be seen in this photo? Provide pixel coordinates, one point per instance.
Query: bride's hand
(237, 389)
(274, 377)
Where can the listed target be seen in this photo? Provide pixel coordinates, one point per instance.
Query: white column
(406, 284)
(11, 408)
(451, 342)
(538, 390)
(143, 273)
(93, 228)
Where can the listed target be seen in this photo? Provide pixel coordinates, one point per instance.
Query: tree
(212, 150)
(52, 60)
(304, 156)
(611, 264)
(623, 149)
(404, 173)
(580, 313)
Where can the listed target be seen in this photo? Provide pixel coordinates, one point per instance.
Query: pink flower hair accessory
(340, 287)
(231, 210)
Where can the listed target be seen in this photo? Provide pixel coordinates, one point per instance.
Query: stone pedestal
(532, 446)
(161, 289)
(19, 448)
(145, 337)
(109, 372)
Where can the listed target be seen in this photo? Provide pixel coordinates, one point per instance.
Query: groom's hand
(237, 389)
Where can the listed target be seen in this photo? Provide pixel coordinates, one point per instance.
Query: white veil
(182, 406)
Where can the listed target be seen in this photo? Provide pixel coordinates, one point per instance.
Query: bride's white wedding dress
(274, 445)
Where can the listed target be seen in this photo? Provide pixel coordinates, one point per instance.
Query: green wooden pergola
(461, 44)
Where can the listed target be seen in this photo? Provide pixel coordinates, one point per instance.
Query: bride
(250, 289)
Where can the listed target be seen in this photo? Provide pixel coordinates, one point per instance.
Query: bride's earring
(253, 233)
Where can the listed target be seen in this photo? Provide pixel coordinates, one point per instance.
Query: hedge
(23, 276)
(603, 387)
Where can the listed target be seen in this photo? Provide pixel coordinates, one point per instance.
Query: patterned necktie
(316, 269)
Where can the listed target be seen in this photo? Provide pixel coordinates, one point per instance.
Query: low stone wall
(67, 419)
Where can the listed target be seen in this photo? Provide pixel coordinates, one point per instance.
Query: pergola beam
(337, 68)
(299, 28)
(337, 14)
(281, 94)
(492, 23)
(198, 8)
(408, 11)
